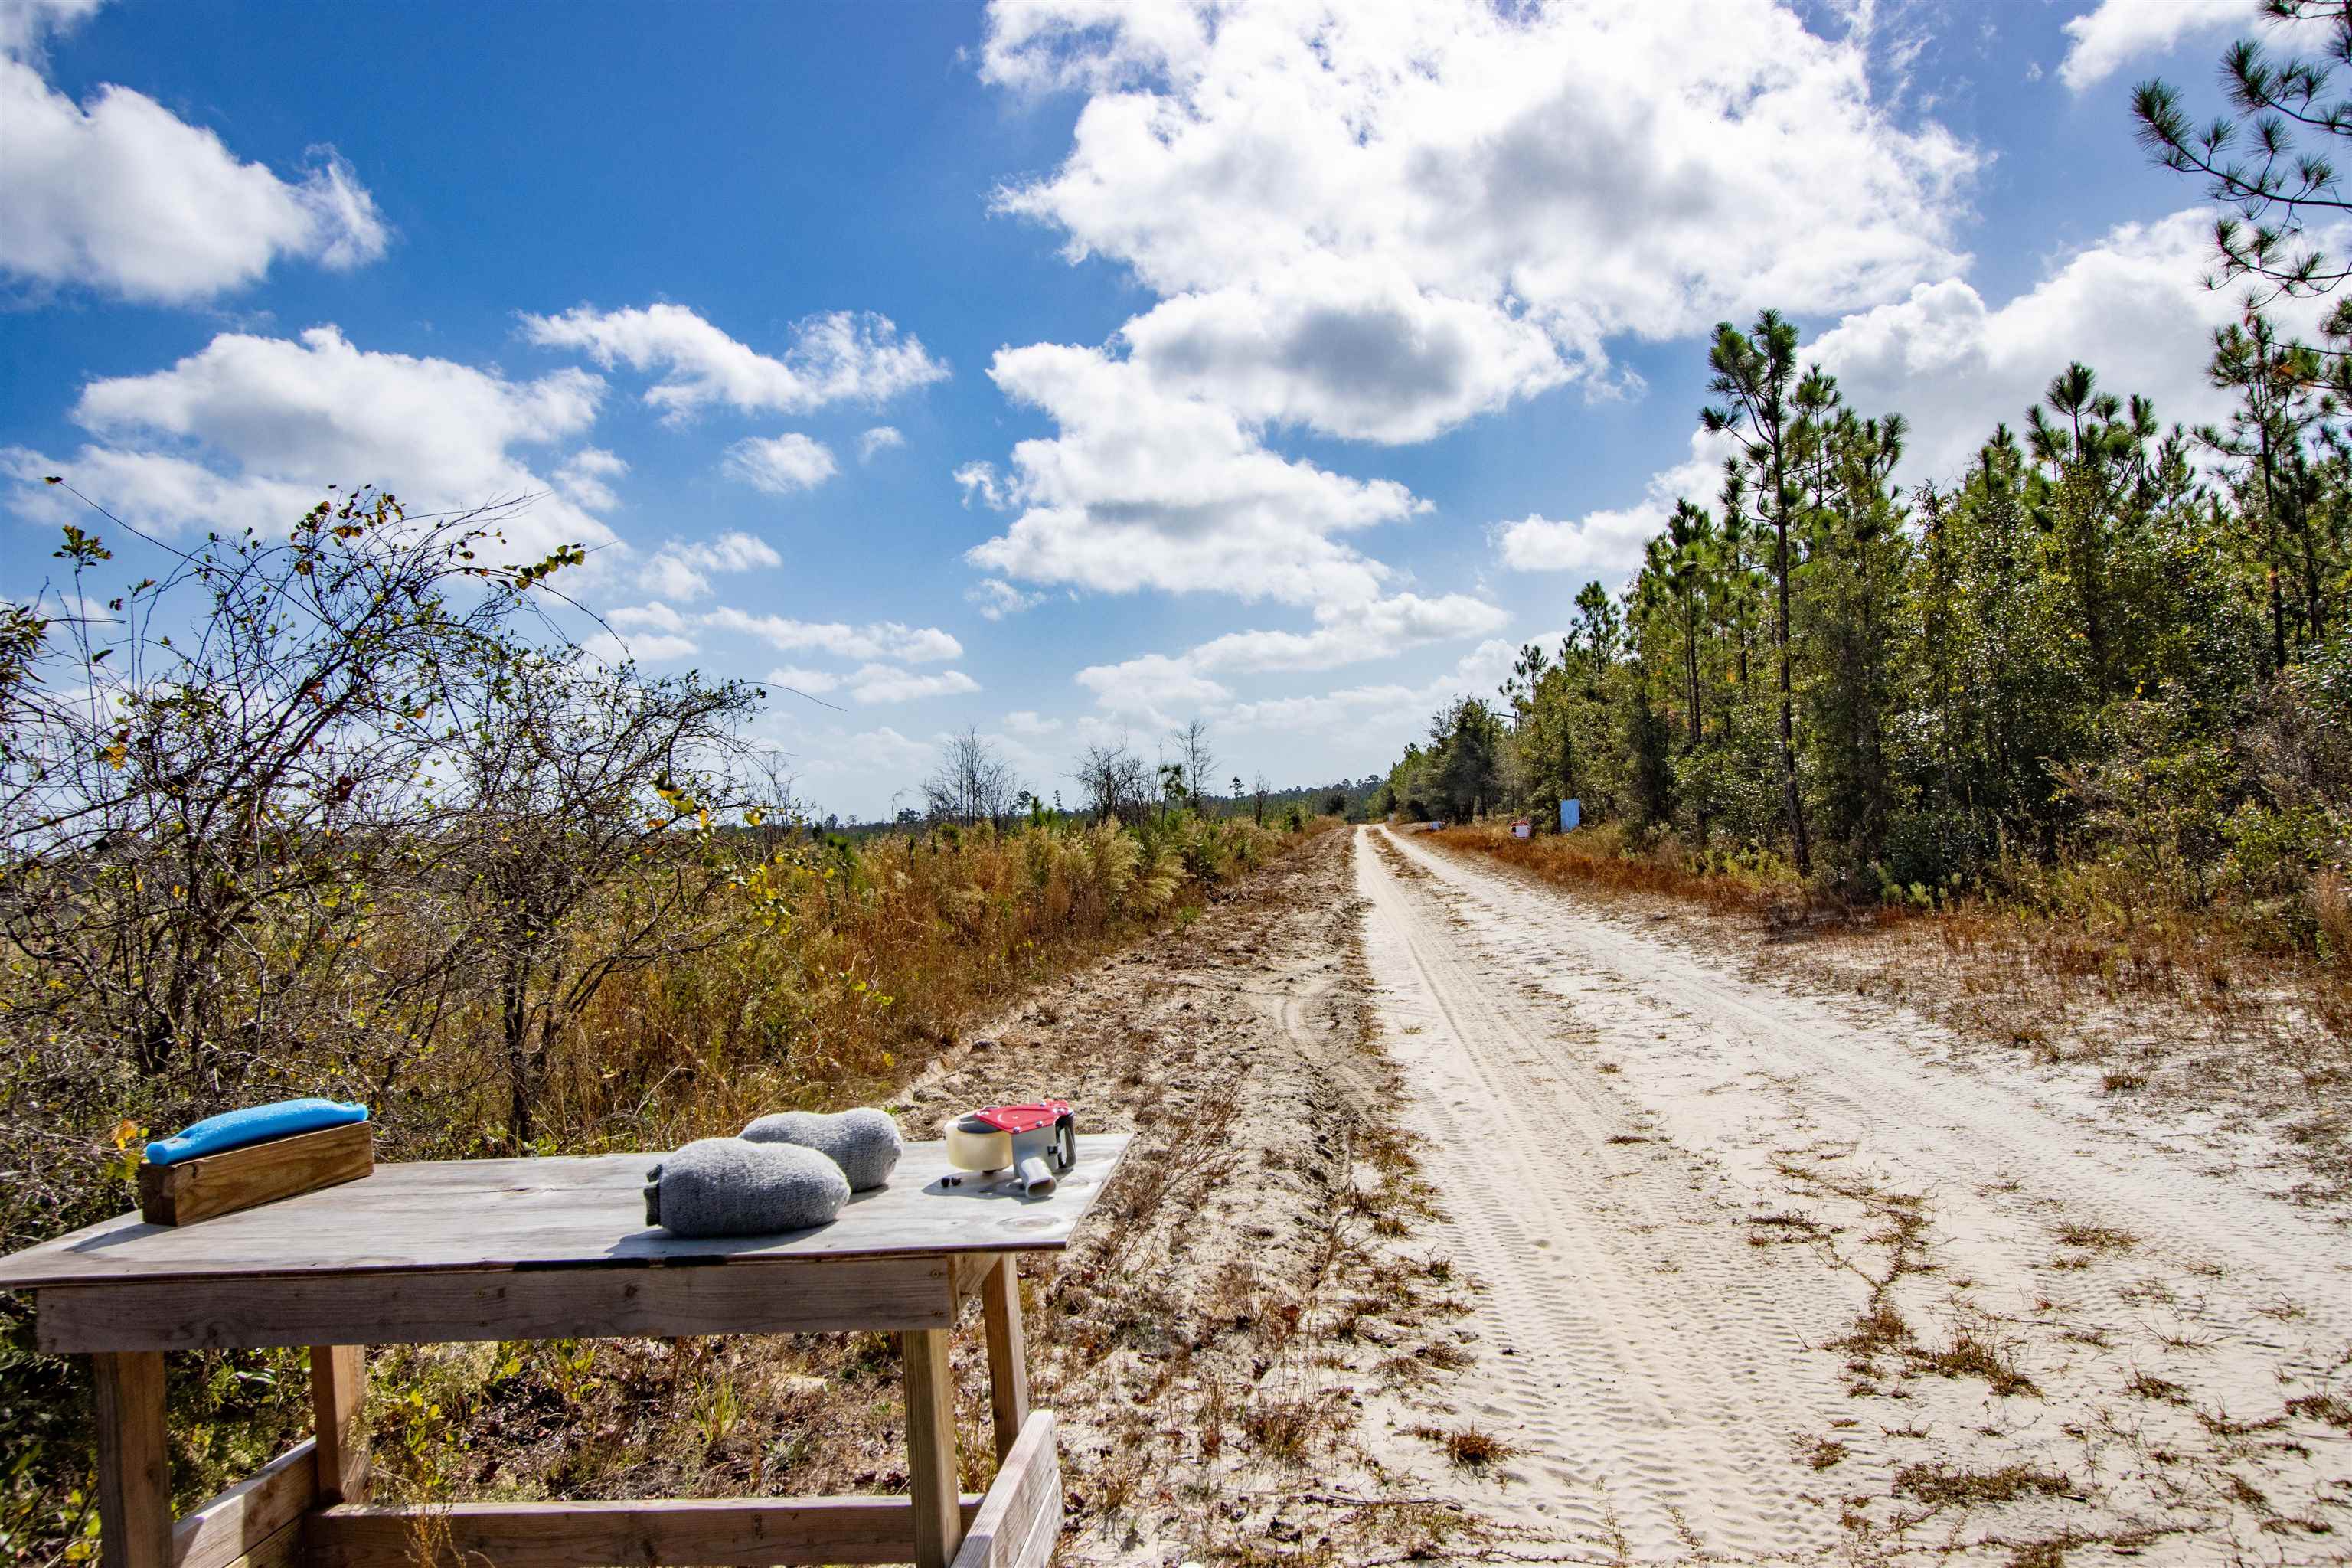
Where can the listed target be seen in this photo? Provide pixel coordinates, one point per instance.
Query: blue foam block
(254, 1124)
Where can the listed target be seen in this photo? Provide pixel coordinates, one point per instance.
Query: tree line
(2107, 642)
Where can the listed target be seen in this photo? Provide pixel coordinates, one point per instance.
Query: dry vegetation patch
(1207, 1341)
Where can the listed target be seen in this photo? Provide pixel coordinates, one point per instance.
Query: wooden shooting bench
(555, 1248)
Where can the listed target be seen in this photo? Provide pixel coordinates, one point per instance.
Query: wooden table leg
(1008, 1351)
(134, 1471)
(931, 1477)
(338, 1401)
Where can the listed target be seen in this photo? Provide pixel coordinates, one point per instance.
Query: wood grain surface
(258, 1174)
(567, 1213)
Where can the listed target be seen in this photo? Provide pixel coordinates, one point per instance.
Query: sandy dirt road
(1768, 1276)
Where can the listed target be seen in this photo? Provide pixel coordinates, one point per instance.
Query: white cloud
(1378, 221)
(1388, 708)
(1151, 687)
(1157, 685)
(878, 753)
(2115, 32)
(120, 195)
(1608, 543)
(887, 683)
(25, 24)
(881, 438)
(875, 641)
(780, 466)
(836, 357)
(655, 617)
(250, 430)
(583, 478)
(653, 648)
(681, 569)
(2133, 306)
(998, 599)
(1145, 490)
(1351, 635)
(1025, 721)
(982, 482)
(814, 681)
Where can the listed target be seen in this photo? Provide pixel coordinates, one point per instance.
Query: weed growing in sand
(1468, 1448)
(1941, 1485)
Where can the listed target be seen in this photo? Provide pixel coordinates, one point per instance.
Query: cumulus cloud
(779, 465)
(248, 431)
(997, 599)
(1376, 222)
(585, 476)
(1157, 685)
(2114, 33)
(120, 195)
(1608, 543)
(839, 356)
(655, 617)
(1381, 710)
(880, 438)
(682, 569)
(1142, 488)
(799, 678)
(1151, 687)
(2131, 305)
(887, 683)
(650, 648)
(876, 640)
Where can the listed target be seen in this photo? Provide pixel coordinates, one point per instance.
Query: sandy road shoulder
(1249, 1281)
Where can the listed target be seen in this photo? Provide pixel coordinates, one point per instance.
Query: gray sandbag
(864, 1142)
(726, 1186)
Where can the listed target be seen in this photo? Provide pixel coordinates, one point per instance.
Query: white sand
(1666, 1366)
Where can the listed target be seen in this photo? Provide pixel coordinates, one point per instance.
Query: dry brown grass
(1469, 1447)
(1944, 1486)
(1200, 1338)
(847, 970)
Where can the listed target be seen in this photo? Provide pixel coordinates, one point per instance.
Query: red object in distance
(1026, 1118)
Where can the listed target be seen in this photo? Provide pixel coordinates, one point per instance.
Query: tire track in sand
(1649, 1366)
(2187, 1383)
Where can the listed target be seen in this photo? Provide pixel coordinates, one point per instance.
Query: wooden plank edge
(442, 1307)
(730, 1532)
(240, 1520)
(238, 1179)
(280, 1549)
(1021, 1517)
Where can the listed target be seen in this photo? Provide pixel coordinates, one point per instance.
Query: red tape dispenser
(1035, 1143)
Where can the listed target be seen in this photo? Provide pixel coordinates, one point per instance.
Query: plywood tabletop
(583, 1212)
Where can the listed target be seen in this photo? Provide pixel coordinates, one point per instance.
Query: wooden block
(338, 1398)
(931, 1446)
(445, 1306)
(639, 1533)
(1020, 1518)
(134, 1471)
(244, 1520)
(258, 1173)
(1008, 1352)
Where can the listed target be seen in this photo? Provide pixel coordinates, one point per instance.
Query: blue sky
(1287, 372)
